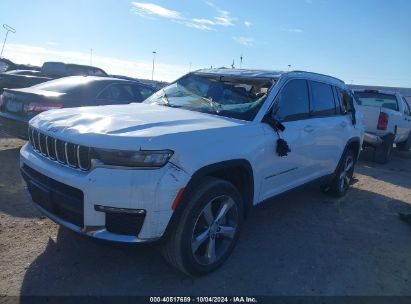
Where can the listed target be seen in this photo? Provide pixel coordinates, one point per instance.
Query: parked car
(49, 71)
(8, 65)
(18, 106)
(21, 79)
(186, 166)
(387, 119)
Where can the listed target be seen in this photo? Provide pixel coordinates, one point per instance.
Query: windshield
(230, 97)
(374, 99)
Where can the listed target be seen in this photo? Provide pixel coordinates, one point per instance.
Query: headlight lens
(142, 158)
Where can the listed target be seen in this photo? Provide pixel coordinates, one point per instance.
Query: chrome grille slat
(71, 155)
(47, 146)
(55, 147)
(43, 144)
(38, 142)
(30, 136)
(60, 151)
(35, 140)
(50, 148)
(83, 157)
(66, 153)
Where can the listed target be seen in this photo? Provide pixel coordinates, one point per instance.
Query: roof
(100, 78)
(242, 73)
(264, 74)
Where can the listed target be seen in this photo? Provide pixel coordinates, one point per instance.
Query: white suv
(185, 166)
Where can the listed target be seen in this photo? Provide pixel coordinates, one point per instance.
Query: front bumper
(152, 191)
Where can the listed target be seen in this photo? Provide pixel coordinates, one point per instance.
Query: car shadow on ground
(300, 243)
(397, 171)
(13, 199)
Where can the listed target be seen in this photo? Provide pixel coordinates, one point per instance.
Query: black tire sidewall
(336, 187)
(197, 203)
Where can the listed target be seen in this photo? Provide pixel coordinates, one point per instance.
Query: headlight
(142, 158)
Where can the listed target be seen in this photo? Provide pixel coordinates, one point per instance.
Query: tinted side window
(118, 92)
(292, 102)
(322, 99)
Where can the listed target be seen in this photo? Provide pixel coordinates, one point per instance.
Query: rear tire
(341, 182)
(405, 145)
(382, 153)
(208, 229)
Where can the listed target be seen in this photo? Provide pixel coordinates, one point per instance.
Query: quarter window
(346, 101)
(292, 102)
(407, 110)
(322, 99)
(145, 92)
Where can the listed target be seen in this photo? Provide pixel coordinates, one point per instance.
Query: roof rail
(298, 71)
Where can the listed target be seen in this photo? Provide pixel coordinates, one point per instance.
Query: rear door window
(322, 99)
(293, 102)
(119, 92)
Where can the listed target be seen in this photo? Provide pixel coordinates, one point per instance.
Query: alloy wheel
(214, 230)
(346, 173)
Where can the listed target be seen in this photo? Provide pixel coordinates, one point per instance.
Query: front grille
(66, 153)
(62, 200)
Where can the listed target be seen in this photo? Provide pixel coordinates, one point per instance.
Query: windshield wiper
(164, 98)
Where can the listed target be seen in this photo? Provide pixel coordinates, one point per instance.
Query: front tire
(208, 229)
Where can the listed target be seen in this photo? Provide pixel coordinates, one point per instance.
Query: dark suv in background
(49, 71)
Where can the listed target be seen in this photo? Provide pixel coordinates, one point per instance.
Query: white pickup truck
(387, 120)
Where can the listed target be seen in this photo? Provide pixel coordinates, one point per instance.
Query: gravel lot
(301, 243)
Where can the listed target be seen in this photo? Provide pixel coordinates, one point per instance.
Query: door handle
(308, 129)
(343, 124)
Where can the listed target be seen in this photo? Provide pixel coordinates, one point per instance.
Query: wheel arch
(237, 171)
(353, 143)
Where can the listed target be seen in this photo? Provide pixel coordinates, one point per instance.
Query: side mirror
(282, 148)
(273, 122)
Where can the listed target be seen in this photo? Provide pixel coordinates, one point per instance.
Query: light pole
(152, 72)
(289, 66)
(8, 28)
(241, 61)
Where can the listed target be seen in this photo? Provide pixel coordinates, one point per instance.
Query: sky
(359, 41)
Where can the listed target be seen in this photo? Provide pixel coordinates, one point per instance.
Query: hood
(132, 126)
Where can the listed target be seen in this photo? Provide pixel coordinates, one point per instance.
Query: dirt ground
(301, 243)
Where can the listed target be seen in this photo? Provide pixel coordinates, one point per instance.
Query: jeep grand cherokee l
(187, 165)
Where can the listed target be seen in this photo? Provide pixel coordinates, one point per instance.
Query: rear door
(329, 128)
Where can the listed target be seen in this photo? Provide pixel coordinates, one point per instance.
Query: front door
(283, 173)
